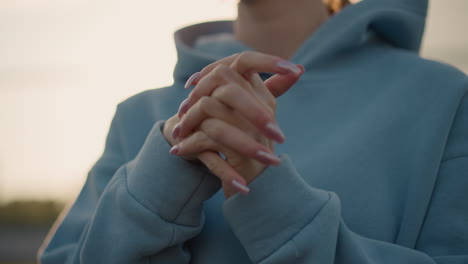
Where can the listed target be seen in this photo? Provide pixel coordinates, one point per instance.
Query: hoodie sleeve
(141, 211)
(297, 223)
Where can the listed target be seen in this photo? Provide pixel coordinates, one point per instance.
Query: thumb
(278, 84)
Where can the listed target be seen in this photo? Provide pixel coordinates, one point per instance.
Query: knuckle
(243, 61)
(235, 56)
(198, 136)
(244, 54)
(205, 100)
(242, 57)
(206, 104)
(200, 140)
(213, 128)
(223, 91)
(221, 71)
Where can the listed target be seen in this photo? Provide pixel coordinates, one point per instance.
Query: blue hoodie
(374, 168)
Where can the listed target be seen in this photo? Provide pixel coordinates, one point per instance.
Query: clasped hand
(228, 120)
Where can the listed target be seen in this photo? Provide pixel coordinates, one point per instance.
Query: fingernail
(288, 66)
(176, 131)
(190, 80)
(183, 108)
(268, 158)
(242, 188)
(301, 67)
(174, 150)
(275, 132)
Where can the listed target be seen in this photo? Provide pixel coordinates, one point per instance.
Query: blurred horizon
(65, 65)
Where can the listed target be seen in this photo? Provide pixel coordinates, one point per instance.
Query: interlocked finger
(235, 139)
(208, 107)
(252, 62)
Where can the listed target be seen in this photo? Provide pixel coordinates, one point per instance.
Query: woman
(373, 168)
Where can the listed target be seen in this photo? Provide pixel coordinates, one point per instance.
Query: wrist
(154, 176)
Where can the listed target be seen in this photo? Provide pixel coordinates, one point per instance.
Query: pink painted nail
(176, 131)
(268, 158)
(242, 188)
(288, 66)
(301, 67)
(174, 150)
(190, 80)
(275, 132)
(183, 108)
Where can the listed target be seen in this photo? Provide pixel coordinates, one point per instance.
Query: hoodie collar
(399, 23)
(190, 60)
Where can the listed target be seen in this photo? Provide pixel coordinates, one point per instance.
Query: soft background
(64, 65)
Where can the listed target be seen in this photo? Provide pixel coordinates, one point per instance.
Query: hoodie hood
(399, 23)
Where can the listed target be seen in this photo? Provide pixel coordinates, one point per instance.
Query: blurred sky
(64, 65)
